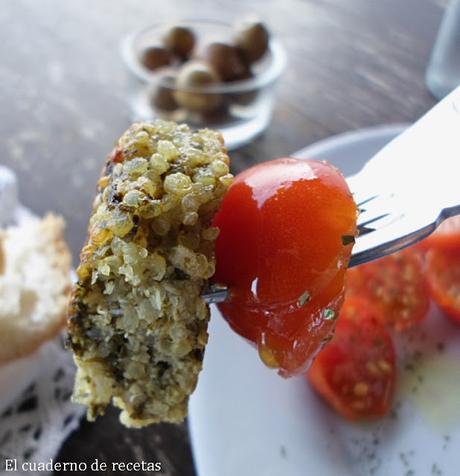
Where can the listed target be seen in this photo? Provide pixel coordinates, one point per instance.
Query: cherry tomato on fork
(356, 371)
(396, 285)
(287, 228)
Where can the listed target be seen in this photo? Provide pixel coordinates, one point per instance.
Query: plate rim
(350, 137)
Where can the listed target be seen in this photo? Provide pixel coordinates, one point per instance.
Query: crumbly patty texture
(34, 285)
(137, 322)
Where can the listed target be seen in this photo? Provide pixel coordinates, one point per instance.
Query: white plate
(247, 421)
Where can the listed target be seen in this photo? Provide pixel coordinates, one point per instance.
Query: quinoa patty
(137, 322)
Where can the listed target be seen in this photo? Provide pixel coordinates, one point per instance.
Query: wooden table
(65, 100)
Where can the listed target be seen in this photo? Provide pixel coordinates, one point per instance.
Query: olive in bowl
(191, 84)
(154, 57)
(227, 61)
(180, 41)
(162, 98)
(252, 39)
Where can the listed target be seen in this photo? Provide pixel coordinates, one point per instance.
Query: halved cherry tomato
(443, 274)
(395, 285)
(356, 371)
(447, 235)
(286, 233)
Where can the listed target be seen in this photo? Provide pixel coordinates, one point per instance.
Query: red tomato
(443, 273)
(356, 371)
(395, 285)
(447, 235)
(281, 251)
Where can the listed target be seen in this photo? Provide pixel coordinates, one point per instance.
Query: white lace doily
(35, 425)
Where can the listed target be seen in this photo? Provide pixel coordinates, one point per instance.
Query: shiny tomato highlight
(287, 228)
(356, 372)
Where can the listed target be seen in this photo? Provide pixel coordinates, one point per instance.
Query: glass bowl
(240, 110)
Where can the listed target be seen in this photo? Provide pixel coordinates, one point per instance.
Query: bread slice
(34, 285)
(137, 322)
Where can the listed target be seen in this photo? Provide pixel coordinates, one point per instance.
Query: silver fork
(406, 190)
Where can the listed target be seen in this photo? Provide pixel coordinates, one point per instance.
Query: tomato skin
(446, 236)
(396, 285)
(356, 372)
(280, 252)
(443, 274)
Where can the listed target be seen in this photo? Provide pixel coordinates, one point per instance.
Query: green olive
(193, 77)
(154, 57)
(180, 40)
(226, 61)
(252, 38)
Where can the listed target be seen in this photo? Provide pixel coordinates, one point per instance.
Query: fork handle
(421, 168)
(426, 157)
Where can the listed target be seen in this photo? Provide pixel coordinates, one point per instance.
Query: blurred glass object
(243, 108)
(443, 73)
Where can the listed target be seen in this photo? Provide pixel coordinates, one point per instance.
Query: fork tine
(364, 230)
(366, 200)
(372, 220)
